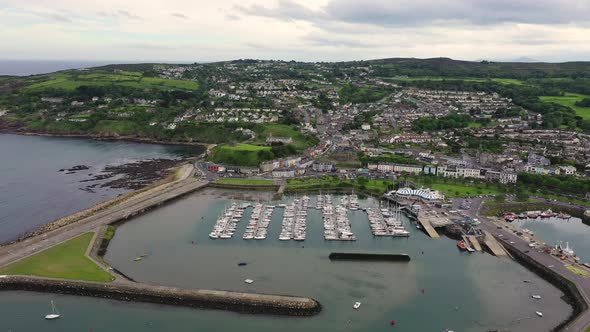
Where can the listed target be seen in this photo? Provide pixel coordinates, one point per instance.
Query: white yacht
(54, 314)
(356, 305)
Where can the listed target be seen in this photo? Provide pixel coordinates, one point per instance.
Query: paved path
(132, 206)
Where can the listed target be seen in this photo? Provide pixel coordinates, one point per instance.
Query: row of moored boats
(385, 222)
(226, 223)
(260, 219)
(295, 220)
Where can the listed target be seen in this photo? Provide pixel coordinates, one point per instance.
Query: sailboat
(54, 314)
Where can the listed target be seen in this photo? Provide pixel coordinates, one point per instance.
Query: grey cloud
(180, 15)
(286, 10)
(337, 42)
(56, 17)
(419, 12)
(127, 14)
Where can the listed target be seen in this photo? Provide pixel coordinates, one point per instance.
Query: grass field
(247, 182)
(70, 80)
(569, 100)
(463, 190)
(239, 154)
(331, 182)
(66, 261)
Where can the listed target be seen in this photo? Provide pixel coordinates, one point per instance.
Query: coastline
(132, 139)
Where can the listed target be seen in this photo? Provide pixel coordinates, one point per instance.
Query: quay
(196, 298)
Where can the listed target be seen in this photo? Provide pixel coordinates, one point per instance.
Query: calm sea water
(554, 230)
(34, 192)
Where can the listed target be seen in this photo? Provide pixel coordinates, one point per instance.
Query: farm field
(569, 100)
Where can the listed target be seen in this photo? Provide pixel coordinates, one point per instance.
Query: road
(508, 236)
(134, 205)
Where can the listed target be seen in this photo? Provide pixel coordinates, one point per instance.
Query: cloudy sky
(309, 30)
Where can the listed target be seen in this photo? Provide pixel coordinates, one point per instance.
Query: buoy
(423, 253)
(392, 322)
(423, 290)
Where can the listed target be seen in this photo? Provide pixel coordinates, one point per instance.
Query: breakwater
(369, 257)
(200, 298)
(572, 294)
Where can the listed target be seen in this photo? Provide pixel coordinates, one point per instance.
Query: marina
(473, 282)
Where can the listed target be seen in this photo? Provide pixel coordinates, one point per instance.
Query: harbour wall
(572, 294)
(207, 299)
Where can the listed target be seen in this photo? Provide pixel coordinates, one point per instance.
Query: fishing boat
(540, 314)
(537, 297)
(54, 314)
(356, 305)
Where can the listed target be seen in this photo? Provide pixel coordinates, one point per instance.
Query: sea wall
(208, 299)
(572, 295)
(244, 186)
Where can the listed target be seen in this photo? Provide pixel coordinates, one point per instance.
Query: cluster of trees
(583, 103)
(446, 122)
(557, 184)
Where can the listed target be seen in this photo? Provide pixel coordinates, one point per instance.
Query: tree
(522, 195)
(500, 198)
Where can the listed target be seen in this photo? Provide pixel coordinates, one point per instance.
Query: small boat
(54, 314)
(242, 264)
(137, 259)
(540, 314)
(461, 245)
(356, 305)
(248, 281)
(538, 297)
(527, 281)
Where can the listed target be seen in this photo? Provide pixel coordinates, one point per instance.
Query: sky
(302, 30)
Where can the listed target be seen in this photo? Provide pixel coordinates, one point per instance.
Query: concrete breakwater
(199, 298)
(572, 294)
(369, 257)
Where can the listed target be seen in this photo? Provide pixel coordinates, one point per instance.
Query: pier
(474, 242)
(493, 245)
